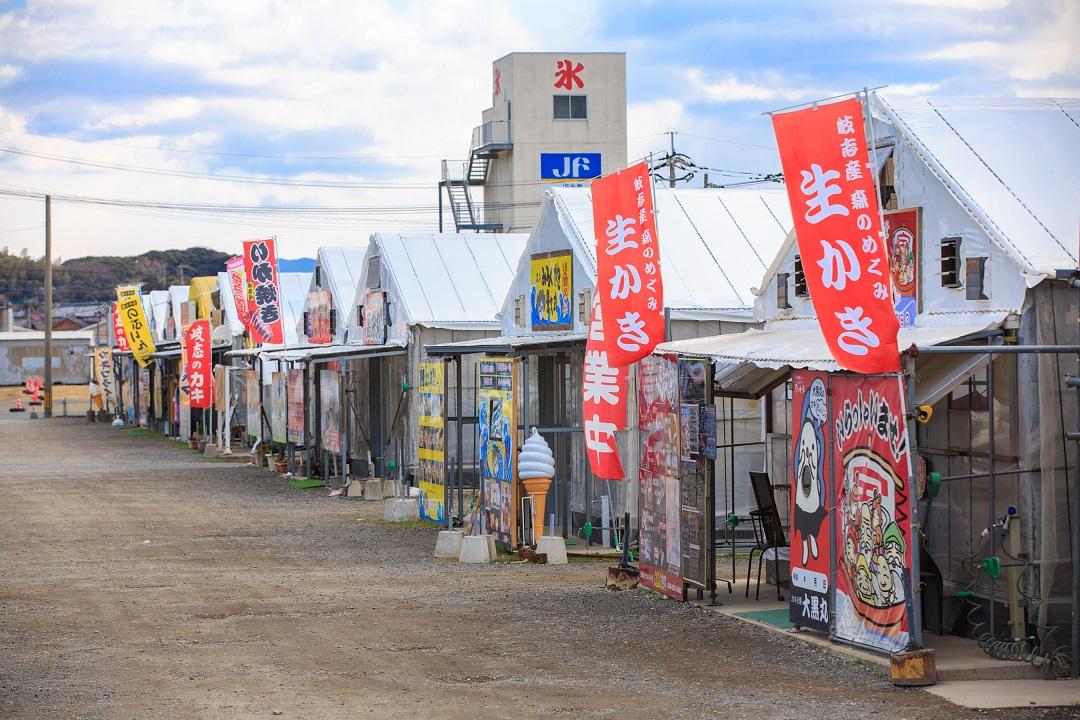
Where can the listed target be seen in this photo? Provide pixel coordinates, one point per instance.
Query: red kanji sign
(830, 185)
(568, 74)
(118, 329)
(628, 280)
(263, 301)
(603, 406)
(199, 366)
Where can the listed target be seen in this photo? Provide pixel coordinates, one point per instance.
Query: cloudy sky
(258, 104)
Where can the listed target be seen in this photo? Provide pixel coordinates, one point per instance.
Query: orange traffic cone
(18, 406)
(36, 398)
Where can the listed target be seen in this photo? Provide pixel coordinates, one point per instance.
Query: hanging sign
(279, 408)
(118, 329)
(296, 405)
(552, 278)
(234, 266)
(330, 410)
(603, 406)
(431, 450)
(628, 280)
(104, 374)
(496, 392)
(810, 539)
(139, 337)
(318, 317)
(264, 294)
(872, 481)
(830, 186)
(373, 321)
(200, 378)
(903, 240)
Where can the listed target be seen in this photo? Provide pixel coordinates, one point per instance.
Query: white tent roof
(228, 304)
(341, 269)
(294, 290)
(1011, 163)
(450, 280)
(179, 295)
(715, 243)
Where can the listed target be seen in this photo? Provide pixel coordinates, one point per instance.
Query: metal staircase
(458, 176)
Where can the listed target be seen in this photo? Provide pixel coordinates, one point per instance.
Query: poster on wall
(278, 408)
(144, 396)
(431, 450)
(692, 501)
(295, 379)
(810, 599)
(496, 385)
(251, 384)
(318, 317)
(330, 410)
(551, 295)
(903, 240)
(659, 499)
(872, 474)
(374, 318)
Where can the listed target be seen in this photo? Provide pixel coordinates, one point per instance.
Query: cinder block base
(477, 549)
(449, 544)
(211, 450)
(555, 549)
(373, 489)
(400, 510)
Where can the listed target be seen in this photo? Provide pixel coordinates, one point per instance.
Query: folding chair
(769, 538)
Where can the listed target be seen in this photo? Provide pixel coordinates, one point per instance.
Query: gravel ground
(138, 580)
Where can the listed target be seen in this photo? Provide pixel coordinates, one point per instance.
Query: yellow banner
(136, 328)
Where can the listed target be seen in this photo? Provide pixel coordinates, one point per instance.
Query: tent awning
(320, 352)
(507, 345)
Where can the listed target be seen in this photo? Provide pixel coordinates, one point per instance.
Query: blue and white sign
(569, 166)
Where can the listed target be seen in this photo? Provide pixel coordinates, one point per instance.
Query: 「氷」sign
(904, 239)
(551, 295)
(834, 206)
(431, 450)
(136, 329)
(561, 167)
(495, 390)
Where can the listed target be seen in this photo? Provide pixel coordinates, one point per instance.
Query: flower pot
(193, 443)
(282, 466)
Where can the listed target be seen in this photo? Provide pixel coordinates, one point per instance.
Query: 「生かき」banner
(431, 450)
(603, 406)
(834, 205)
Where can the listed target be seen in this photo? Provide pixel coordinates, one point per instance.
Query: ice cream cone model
(536, 468)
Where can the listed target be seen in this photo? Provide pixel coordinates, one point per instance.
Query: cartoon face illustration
(864, 585)
(810, 470)
(883, 574)
(851, 552)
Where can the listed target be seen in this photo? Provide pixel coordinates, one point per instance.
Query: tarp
(201, 292)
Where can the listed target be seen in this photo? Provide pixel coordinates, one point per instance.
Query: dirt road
(138, 580)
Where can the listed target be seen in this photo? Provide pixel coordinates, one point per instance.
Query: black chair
(768, 531)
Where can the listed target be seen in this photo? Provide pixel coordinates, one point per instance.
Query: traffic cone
(36, 399)
(18, 406)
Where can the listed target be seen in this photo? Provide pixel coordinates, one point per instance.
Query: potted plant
(281, 465)
(193, 441)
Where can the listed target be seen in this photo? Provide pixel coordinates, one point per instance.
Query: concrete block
(400, 510)
(373, 489)
(211, 450)
(555, 549)
(448, 545)
(477, 549)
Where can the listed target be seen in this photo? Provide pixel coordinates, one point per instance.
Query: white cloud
(8, 73)
(146, 114)
(983, 5)
(767, 86)
(913, 89)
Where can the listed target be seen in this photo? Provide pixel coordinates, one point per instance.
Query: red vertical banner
(628, 280)
(603, 404)
(264, 298)
(872, 523)
(830, 185)
(118, 329)
(811, 542)
(200, 374)
(234, 267)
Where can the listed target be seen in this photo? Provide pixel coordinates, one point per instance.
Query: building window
(570, 107)
(782, 291)
(373, 269)
(318, 276)
(950, 262)
(975, 278)
(800, 280)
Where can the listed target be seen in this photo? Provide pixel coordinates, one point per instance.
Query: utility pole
(48, 306)
(671, 160)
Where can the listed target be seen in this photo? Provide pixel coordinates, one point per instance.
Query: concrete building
(555, 118)
(22, 355)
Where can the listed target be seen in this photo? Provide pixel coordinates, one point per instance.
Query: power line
(23, 229)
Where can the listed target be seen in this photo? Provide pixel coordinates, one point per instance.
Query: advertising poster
(278, 408)
(318, 330)
(551, 296)
(136, 329)
(251, 383)
(295, 379)
(604, 393)
(902, 233)
(659, 499)
(374, 319)
(834, 207)
(431, 453)
(118, 329)
(810, 599)
(200, 379)
(234, 266)
(872, 474)
(330, 410)
(692, 501)
(496, 385)
(263, 292)
(105, 374)
(144, 396)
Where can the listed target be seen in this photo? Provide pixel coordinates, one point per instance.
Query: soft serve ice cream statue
(536, 468)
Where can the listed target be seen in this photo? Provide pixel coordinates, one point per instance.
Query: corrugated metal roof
(294, 290)
(715, 243)
(449, 279)
(1012, 164)
(39, 335)
(341, 268)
